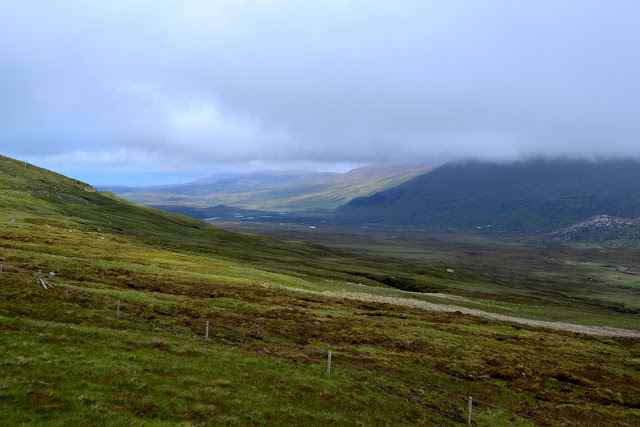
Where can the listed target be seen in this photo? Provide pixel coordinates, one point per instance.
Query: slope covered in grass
(275, 309)
(34, 194)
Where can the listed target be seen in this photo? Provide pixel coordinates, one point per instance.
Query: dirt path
(424, 305)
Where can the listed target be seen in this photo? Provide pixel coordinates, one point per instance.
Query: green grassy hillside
(318, 192)
(274, 309)
(528, 196)
(33, 194)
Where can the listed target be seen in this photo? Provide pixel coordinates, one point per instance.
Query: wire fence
(441, 401)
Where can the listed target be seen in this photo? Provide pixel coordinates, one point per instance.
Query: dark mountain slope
(524, 196)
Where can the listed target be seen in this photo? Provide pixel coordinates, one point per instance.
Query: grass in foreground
(72, 362)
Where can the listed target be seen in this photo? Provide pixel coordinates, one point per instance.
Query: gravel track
(603, 331)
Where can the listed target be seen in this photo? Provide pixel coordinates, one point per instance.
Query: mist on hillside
(145, 93)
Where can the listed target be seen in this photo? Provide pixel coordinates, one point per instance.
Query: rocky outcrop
(600, 228)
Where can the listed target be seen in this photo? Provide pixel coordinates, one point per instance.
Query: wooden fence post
(470, 408)
(0, 268)
(206, 334)
(329, 364)
(118, 310)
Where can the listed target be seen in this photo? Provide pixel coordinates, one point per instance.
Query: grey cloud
(206, 83)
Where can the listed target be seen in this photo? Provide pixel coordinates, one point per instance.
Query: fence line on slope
(4, 268)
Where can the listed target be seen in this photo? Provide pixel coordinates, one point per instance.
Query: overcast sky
(149, 92)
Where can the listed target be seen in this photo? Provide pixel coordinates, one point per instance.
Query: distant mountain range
(529, 196)
(537, 196)
(275, 190)
(229, 183)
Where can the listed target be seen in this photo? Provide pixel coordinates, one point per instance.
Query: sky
(142, 92)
